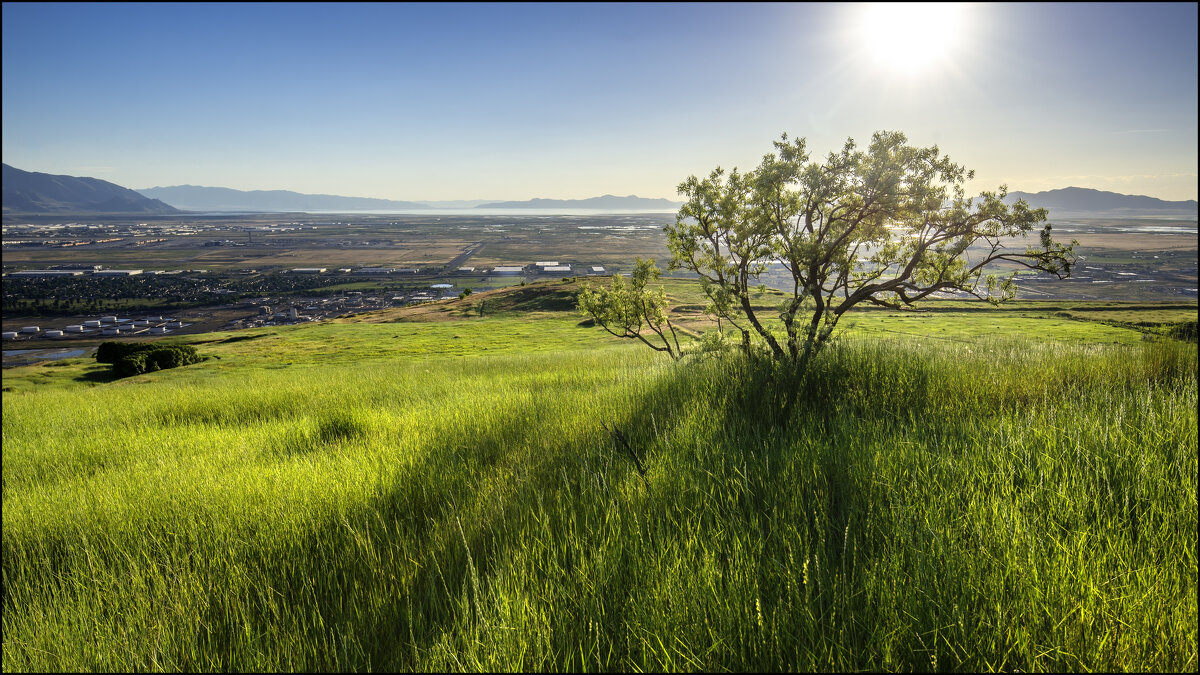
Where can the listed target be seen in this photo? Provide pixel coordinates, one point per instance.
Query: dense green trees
(136, 358)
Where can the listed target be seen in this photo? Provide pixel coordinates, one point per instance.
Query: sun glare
(910, 37)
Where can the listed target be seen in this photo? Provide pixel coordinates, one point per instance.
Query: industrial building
(47, 273)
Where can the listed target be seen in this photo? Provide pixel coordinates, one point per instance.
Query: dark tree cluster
(136, 358)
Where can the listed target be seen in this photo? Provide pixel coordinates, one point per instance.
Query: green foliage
(976, 506)
(631, 310)
(137, 358)
(1183, 331)
(111, 352)
(890, 225)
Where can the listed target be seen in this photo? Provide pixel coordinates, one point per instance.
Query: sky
(569, 101)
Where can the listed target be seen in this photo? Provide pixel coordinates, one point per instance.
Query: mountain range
(197, 198)
(1086, 201)
(32, 192)
(28, 192)
(606, 202)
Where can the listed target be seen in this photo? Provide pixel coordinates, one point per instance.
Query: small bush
(111, 352)
(137, 358)
(130, 365)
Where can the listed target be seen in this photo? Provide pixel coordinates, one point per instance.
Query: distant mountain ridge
(199, 198)
(605, 202)
(36, 193)
(1098, 202)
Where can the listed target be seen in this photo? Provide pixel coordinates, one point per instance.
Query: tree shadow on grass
(97, 375)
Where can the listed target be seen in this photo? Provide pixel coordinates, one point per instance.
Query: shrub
(129, 365)
(111, 352)
(135, 359)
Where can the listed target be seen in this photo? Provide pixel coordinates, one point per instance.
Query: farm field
(425, 488)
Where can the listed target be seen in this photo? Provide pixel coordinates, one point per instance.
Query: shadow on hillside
(441, 539)
(97, 375)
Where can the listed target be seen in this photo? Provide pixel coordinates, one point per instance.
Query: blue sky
(571, 101)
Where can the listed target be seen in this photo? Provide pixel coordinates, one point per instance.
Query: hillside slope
(421, 494)
(32, 192)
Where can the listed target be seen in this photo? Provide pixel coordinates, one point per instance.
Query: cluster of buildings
(93, 270)
(546, 267)
(104, 326)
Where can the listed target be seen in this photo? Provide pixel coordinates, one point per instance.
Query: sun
(910, 37)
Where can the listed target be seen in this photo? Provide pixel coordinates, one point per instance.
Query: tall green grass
(993, 505)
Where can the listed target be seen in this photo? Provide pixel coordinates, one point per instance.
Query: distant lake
(20, 357)
(499, 212)
(438, 212)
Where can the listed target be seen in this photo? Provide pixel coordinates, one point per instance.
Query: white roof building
(47, 273)
(116, 273)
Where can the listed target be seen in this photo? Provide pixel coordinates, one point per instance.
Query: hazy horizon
(449, 102)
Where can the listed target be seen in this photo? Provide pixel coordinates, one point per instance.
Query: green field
(428, 489)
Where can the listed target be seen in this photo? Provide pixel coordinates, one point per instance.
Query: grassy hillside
(436, 491)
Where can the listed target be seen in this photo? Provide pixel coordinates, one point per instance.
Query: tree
(889, 226)
(627, 308)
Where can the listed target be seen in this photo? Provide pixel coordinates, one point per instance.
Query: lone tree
(626, 309)
(889, 226)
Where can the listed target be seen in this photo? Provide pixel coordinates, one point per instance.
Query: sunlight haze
(486, 101)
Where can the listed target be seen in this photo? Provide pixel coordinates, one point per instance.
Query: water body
(22, 357)
(548, 212)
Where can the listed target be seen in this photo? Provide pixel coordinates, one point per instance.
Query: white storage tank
(54, 333)
(141, 322)
(9, 335)
(91, 324)
(30, 329)
(108, 319)
(76, 328)
(112, 331)
(158, 330)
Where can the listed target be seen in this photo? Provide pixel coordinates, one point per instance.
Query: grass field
(428, 489)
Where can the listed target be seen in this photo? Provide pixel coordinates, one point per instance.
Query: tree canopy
(889, 225)
(627, 308)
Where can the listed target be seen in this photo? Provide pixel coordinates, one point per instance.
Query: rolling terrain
(428, 488)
